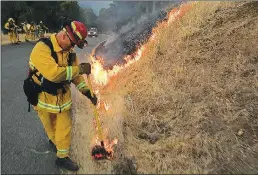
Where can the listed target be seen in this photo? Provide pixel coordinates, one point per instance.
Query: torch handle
(96, 114)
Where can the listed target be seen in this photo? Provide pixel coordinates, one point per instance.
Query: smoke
(111, 39)
(131, 25)
(129, 36)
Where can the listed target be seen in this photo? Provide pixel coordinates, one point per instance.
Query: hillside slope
(190, 104)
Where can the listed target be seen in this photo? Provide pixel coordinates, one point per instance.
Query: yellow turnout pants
(58, 128)
(32, 35)
(27, 34)
(12, 37)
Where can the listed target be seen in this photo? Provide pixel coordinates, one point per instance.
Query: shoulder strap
(48, 42)
(71, 58)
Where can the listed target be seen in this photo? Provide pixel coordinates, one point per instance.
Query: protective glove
(85, 68)
(93, 99)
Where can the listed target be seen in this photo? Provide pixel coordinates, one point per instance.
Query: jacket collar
(56, 47)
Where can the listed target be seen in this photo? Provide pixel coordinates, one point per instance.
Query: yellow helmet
(10, 19)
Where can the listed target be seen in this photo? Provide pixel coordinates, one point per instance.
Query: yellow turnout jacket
(42, 60)
(9, 26)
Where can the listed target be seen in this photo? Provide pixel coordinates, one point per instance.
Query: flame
(109, 146)
(100, 75)
(172, 15)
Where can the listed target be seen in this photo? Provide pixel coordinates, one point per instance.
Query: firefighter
(53, 66)
(26, 27)
(42, 29)
(32, 31)
(12, 33)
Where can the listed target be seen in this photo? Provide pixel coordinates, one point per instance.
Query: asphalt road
(25, 148)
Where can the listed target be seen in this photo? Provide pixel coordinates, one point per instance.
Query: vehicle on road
(93, 32)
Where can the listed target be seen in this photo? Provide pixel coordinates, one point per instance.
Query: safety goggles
(79, 42)
(72, 43)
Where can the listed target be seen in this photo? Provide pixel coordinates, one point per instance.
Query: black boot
(67, 164)
(53, 146)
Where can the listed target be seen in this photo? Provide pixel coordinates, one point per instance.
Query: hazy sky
(95, 5)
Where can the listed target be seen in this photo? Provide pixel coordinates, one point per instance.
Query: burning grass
(191, 100)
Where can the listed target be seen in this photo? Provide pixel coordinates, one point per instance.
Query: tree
(90, 17)
(71, 9)
(50, 12)
(102, 12)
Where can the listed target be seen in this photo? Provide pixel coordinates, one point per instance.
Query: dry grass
(193, 93)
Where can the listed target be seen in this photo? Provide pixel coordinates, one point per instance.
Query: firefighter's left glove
(85, 68)
(93, 99)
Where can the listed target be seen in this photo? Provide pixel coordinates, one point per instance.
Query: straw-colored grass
(191, 102)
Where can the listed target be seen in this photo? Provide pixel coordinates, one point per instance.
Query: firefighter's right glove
(93, 99)
(85, 68)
